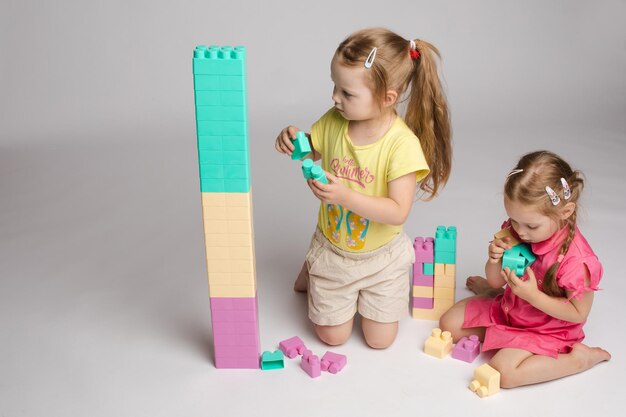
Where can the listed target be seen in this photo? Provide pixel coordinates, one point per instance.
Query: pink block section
(333, 362)
(422, 280)
(235, 332)
(424, 249)
(420, 302)
(467, 349)
(292, 347)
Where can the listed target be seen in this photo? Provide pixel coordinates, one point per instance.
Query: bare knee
(379, 335)
(507, 374)
(334, 335)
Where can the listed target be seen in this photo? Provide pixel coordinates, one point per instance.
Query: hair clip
(370, 58)
(515, 171)
(553, 196)
(413, 52)
(567, 193)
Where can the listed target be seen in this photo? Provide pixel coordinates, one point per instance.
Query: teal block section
(518, 258)
(428, 269)
(301, 146)
(221, 113)
(445, 257)
(214, 128)
(445, 239)
(221, 118)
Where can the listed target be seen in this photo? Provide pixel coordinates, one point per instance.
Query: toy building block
(438, 344)
(486, 381)
(272, 360)
(445, 245)
(467, 349)
(423, 291)
(506, 233)
(424, 249)
(423, 303)
(302, 146)
(333, 362)
(428, 268)
(311, 365)
(518, 258)
(310, 170)
(292, 347)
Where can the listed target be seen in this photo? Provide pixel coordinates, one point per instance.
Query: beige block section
(422, 292)
(444, 281)
(232, 291)
(443, 292)
(227, 199)
(426, 314)
(450, 270)
(227, 239)
(439, 269)
(442, 304)
(226, 213)
(232, 278)
(507, 233)
(230, 265)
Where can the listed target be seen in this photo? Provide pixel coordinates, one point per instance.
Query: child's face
(351, 94)
(531, 225)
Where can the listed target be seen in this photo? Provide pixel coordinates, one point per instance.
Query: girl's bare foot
(589, 356)
(302, 282)
(479, 286)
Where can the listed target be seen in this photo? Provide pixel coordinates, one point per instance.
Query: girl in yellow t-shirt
(359, 259)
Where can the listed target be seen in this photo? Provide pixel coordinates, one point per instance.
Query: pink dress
(511, 322)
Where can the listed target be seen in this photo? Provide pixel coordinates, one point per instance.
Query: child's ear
(391, 97)
(567, 210)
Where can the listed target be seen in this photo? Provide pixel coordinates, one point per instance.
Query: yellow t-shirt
(366, 169)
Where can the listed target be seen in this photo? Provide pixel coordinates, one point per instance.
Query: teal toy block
(310, 170)
(442, 257)
(445, 239)
(221, 128)
(302, 146)
(220, 113)
(220, 98)
(428, 269)
(518, 258)
(272, 360)
(215, 60)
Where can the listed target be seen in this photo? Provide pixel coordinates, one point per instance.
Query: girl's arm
(575, 311)
(493, 267)
(393, 209)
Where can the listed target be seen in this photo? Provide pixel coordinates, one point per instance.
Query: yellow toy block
(438, 344)
(422, 292)
(444, 293)
(443, 281)
(439, 269)
(486, 381)
(507, 233)
(426, 314)
(442, 304)
(450, 270)
(232, 291)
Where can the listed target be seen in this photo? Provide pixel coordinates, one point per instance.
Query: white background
(103, 296)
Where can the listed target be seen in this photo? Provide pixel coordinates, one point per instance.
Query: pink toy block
(420, 302)
(311, 365)
(292, 347)
(422, 280)
(333, 362)
(424, 249)
(467, 349)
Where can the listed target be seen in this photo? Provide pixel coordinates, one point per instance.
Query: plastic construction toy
(467, 349)
(333, 362)
(311, 365)
(302, 146)
(438, 344)
(445, 245)
(506, 233)
(272, 360)
(292, 347)
(310, 170)
(486, 381)
(518, 258)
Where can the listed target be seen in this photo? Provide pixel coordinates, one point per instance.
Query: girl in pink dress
(537, 320)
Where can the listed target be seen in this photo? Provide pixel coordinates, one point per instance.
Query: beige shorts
(374, 283)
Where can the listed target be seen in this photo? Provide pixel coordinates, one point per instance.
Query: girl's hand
(284, 143)
(497, 248)
(332, 193)
(525, 290)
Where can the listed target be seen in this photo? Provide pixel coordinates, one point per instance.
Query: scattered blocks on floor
(292, 347)
(311, 365)
(333, 362)
(467, 349)
(439, 344)
(272, 360)
(486, 381)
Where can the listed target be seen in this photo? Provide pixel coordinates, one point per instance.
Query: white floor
(103, 295)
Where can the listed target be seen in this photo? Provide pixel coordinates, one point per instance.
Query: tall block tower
(221, 123)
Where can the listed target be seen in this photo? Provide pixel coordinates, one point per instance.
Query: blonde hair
(427, 113)
(527, 185)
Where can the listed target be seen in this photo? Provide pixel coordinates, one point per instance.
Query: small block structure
(486, 381)
(311, 365)
(272, 360)
(467, 349)
(333, 362)
(292, 347)
(438, 344)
